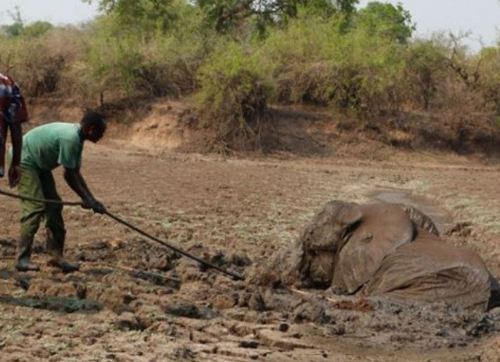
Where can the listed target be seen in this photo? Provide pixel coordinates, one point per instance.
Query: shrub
(151, 61)
(233, 96)
(38, 28)
(112, 62)
(39, 64)
(299, 63)
(315, 61)
(426, 70)
(369, 71)
(489, 82)
(385, 21)
(172, 59)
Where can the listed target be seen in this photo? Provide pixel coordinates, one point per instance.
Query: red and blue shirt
(12, 105)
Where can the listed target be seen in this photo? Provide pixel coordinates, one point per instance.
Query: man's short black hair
(92, 118)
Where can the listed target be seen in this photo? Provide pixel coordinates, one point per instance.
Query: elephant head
(322, 239)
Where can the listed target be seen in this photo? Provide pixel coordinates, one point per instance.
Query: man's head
(93, 126)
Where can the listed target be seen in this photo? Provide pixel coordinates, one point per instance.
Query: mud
(135, 301)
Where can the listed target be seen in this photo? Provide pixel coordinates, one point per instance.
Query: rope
(26, 198)
(135, 228)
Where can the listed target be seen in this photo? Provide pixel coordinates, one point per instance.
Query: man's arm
(75, 180)
(16, 135)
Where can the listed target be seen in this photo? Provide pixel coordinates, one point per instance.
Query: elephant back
(430, 270)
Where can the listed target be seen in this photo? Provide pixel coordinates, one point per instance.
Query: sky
(55, 11)
(481, 17)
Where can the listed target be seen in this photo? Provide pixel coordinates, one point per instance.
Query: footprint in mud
(439, 215)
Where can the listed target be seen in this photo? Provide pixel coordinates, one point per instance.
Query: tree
(426, 67)
(37, 28)
(146, 15)
(16, 28)
(226, 14)
(222, 15)
(386, 20)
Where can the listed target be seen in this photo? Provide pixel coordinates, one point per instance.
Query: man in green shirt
(45, 148)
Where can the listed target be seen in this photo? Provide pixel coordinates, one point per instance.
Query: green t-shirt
(53, 144)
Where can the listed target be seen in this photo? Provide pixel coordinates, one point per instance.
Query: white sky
(55, 11)
(481, 17)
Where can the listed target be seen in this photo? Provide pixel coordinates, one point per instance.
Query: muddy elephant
(386, 249)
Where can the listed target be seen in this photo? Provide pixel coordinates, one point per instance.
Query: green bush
(152, 61)
(315, 61)
(426, 71)
(384, 20)
(113, 60)
(172, 59)
(369, 71)
(233, 95)
(299, 60)
(489, 81)
(40, 64)
(38, 28)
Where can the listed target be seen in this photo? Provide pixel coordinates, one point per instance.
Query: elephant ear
(420, 220)
(348, 219)
(350, 214)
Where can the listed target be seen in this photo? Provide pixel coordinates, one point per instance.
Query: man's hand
(14, 175)
(95, 205)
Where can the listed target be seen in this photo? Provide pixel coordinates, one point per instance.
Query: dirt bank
(164, 124)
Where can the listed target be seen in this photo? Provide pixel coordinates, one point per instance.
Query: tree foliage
(144, 15)
(20, 28)
(386, 20)
(225, 15)
(221, 15)
(234, 95)
(37, 28)
(238, 56)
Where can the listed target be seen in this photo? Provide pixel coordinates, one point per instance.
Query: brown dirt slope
(168, 124)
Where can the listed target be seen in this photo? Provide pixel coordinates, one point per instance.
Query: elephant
(364, 248)
(345, 242)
